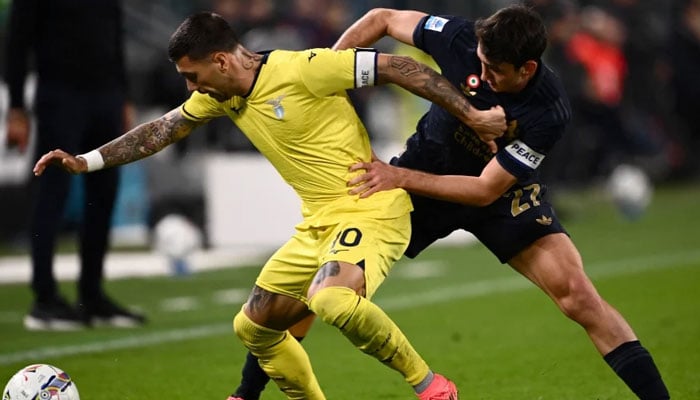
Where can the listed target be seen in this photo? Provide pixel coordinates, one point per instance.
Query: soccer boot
(105, 312)
(53, 315)
(440, 388)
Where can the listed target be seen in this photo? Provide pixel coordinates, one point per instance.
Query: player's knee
(255, 337)
(242, 327)
(581, 303)
(335, 305)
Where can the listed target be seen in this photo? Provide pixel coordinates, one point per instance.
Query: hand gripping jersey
(298, 115)
(536, 116)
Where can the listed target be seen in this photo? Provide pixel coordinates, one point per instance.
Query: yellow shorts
(374, 244)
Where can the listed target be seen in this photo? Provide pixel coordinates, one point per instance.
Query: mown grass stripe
(599, 270)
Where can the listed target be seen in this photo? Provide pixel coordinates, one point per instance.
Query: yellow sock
(370, 330)
(281, 357)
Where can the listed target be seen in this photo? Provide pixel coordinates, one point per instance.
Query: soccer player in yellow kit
(294, 108)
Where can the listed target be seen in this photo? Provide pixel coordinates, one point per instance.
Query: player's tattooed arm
(147, 139)
(425, 82)
(142, 141)
(422, 80)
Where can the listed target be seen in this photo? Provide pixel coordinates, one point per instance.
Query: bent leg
(554, 264)
(335, 300)
(262, 326)
(253, 377)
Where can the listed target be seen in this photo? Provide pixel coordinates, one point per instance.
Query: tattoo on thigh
(259, 299)
(331, 268)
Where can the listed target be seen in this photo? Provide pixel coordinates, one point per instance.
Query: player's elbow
(485, 197)
(378, 14)
(380, 17)
(484, 200)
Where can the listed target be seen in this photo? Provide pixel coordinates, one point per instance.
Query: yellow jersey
(298, 115)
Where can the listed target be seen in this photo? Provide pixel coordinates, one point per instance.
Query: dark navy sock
(635, 366)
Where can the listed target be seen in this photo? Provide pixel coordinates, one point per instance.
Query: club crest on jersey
(470, 84)
(276, 104)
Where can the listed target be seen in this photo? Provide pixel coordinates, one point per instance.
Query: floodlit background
(629, 66)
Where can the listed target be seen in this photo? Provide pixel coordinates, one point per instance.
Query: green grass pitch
(471, 318)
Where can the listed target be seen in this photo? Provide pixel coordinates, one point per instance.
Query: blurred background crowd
(631, 68)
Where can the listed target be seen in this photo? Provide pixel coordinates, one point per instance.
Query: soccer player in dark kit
(456, 183)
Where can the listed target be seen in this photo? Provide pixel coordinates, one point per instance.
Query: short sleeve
(523, 156)
(325, 71)
(201, 107)
(435, 35)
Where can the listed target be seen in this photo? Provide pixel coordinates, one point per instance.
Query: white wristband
(94, 160)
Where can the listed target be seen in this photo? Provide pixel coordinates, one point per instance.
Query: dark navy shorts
(495, 226)
(506, 227)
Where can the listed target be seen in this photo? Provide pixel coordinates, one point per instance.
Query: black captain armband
(365, 67)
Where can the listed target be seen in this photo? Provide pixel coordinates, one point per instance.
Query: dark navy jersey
(536, 116)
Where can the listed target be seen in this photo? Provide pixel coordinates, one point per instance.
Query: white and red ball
(40, 382)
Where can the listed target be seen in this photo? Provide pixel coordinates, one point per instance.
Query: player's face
(204, 76)
(503, 77)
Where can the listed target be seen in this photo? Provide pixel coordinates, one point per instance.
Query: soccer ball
(40, 382)
(630, 189)
(176, 236)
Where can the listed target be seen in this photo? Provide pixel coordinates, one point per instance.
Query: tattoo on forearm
(429, 84)
(406, 65)
(146, 139)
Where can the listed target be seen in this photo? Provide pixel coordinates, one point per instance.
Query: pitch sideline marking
(470, 290)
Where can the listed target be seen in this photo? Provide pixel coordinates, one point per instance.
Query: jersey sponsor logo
(311, 55)
(434, 23)
(465, 137)
(524, 154)
(365, 68)
(276, 104)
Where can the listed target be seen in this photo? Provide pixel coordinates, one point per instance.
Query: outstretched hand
(378, 176)
(58, 157)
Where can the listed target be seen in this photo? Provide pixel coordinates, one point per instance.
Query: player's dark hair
(200, 35)
(514, 34)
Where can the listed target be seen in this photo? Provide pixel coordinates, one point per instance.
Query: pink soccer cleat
(440, 388)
